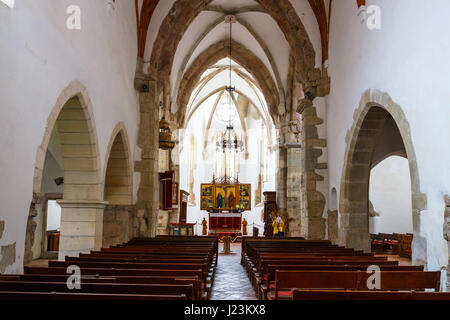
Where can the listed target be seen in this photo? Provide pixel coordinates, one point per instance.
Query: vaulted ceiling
(146, 8)
(193, 29)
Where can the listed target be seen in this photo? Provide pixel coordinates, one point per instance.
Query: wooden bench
(267, 280)
(286, 281)
(101, 288)
(367, 295)
(198, 293)
(61, 296)
(148, 269)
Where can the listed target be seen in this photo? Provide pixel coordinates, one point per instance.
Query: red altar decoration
(222, 222)
(165, 190)
(233, 235)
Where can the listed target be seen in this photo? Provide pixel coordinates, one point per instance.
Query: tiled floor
(231, 281)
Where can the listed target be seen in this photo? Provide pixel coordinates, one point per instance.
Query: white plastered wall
(407, 59)
(390, 194)
(40, 57)
(249, 169)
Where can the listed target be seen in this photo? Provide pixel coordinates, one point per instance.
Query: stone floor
(231, 281)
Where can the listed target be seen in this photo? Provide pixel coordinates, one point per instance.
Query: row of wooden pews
(162, 268)
(293, 268)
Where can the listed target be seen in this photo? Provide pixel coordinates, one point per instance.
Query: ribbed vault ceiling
(256, 30)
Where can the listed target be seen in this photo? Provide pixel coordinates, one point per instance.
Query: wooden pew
(267, 281)
(285, 281)
(177, 267)
(101, 288)
(368, 295)
(62, 296)
(198, 293)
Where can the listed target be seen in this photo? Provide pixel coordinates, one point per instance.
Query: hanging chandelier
(226, 111)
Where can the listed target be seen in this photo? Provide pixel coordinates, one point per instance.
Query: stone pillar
(313, 201)
(447, 234)
(119, 224)
(293, 191)
(31, 228)
(333, 230)
(148, 142)
(281, 179)
(81, 226)
(289, 176)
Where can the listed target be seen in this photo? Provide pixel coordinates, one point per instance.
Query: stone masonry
(120, 224)
(148, 192)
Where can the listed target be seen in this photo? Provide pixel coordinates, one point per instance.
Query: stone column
(148, 142)
(313, 223)
(447, 234)
(119, 224)
(281, 178)
(293, 188)
(289, 177)
(31, 228)
(81, 226)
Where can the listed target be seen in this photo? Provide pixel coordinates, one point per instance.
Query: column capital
(292, 145)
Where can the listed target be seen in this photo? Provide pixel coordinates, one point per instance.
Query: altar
(225, 199)
(220, 222)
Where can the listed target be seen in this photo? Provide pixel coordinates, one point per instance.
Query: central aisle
(231, 281)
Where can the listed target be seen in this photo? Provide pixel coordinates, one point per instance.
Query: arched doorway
(379, 131)
(68, 157)
(390, 197)
(119, 214)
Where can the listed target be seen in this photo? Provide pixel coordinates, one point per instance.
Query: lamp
(165, 135)
(226, 111)
(59, 181)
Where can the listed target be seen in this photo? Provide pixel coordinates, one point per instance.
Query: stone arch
(119, 217)
(251, 30)
(74, 109)
(361, 140)
(183, 13)
(242, 56)
(82, 206)
(118, 178)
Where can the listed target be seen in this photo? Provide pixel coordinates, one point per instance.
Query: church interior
(224, 150)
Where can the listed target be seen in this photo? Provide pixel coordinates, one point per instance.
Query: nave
(192, 268)
(152, 129)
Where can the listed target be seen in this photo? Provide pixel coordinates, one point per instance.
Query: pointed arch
(73, 119)
(375, 107)
(243, 57)
(118, 177)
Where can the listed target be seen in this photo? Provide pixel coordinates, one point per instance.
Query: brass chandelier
(229, 141)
